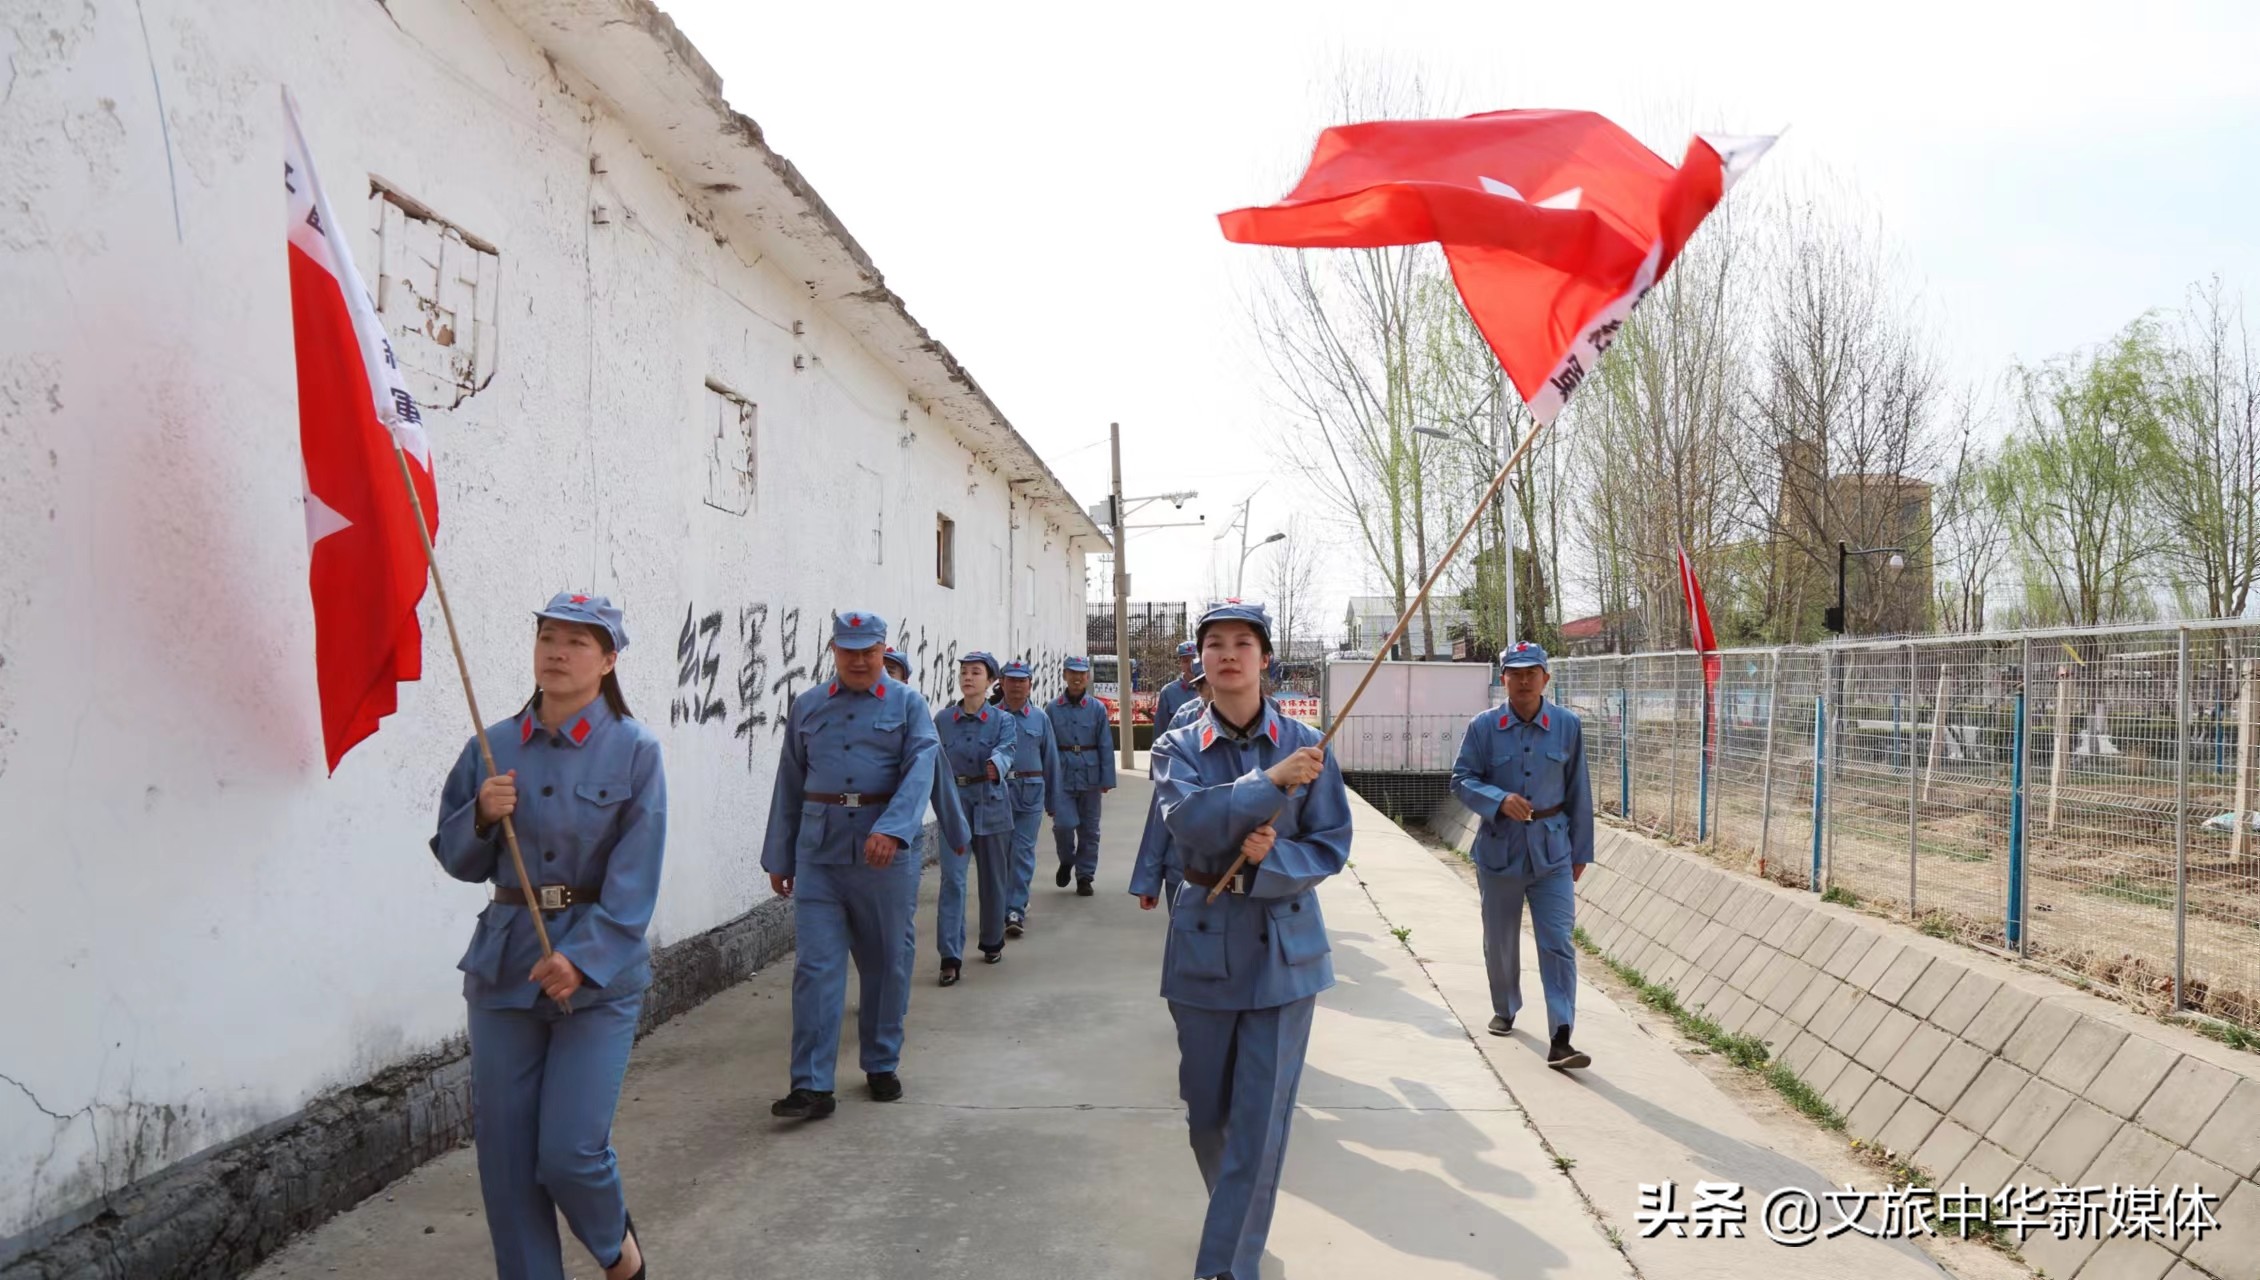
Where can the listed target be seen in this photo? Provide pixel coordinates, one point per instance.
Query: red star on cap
(854, 621)
(580, 599)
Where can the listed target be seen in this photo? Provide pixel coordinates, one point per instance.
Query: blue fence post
(1820, 782)
(1624, 754)
(2013, 928)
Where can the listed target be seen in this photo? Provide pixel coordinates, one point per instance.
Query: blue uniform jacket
(949, 811)
(592, 814)
(1086, 753)
(1155, 861)
(971, 744)
(1035, 749)
(879, 742)
(1267, 947)
(1542, 760)
(1173, 695)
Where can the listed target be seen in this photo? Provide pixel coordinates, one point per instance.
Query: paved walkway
(1041, 1134)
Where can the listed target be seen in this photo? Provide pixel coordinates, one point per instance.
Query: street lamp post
(1240, 575)
(1836, 620)
(1497, 446)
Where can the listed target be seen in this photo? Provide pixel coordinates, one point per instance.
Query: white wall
(201, 931)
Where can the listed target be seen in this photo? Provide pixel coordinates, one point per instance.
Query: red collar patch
(1545, 721)
(526, 730)
(879, 689)
(581, 732)
(1208, 735)
(1274, 728)
(834, 691)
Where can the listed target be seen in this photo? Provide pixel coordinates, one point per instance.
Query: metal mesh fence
(2073, 796)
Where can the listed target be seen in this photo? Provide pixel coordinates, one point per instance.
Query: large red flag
(366, 558)
(1555, 223)
(1698, 614)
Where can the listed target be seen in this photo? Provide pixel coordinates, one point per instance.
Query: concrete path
(1042, 1135)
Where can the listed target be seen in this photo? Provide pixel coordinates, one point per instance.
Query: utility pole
(1126, 686)
(1507, 515)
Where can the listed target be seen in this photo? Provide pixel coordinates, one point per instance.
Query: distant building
(1602, 633)
(1371, 617)
(1816, 511)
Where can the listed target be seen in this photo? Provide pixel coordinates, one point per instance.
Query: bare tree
(2204, 476)
(1842, 429)
(1971, 546)
(1290, 582)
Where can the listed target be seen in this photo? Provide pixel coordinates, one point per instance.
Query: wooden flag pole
(1404, 620)
(478, 722)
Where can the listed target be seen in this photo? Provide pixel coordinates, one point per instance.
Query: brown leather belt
(849, 799)
(968, 779)
(1536, 814)
(550, 897)
(1066, 748)
(1207, 881)
(1027, 773)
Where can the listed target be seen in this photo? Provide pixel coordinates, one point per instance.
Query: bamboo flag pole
(478, 722)
(1404, 620)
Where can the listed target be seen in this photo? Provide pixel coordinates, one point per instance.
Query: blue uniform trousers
(990, 857)
(544, 1087)
(1553, 911)
(1238, 1071)
(870, 913)
(1079, 844)
(1026, 825)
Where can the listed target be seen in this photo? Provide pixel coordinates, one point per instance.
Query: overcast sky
(1041, 185)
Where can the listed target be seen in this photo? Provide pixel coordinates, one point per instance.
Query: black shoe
(1502, 1026)
(1066, 873)
(804, 1104)
(886, 1086)
(643, 1264)
(993, 957)
(1015, 925)
(1564, 1056)
(951, 972)
(1082, 886)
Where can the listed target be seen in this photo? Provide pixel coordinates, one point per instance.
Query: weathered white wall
(200, 930)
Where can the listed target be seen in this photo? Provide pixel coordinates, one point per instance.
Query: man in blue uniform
(977, 750)
(856, 776)
(1242, 974)
(1153, 876)
(1035, 788)
(1177, 692)
(1522, 770)
(1086, 767)
(949, 812)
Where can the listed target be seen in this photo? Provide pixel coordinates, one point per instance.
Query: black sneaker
(1015, 924)
(1563, 1056)
(804, 1104)
(886, 1086)
(1502, 1026)
(993, 957)
(1083, 886)
(1066, 873)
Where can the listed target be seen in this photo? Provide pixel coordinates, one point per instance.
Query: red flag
(366, 565)
(1555, 223)
(1698, 615)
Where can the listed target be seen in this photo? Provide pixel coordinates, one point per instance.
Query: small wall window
(438, 288)
(945, 550)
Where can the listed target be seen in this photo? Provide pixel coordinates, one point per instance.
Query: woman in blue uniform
(977, 751)
(1242, 974)
(582, 783)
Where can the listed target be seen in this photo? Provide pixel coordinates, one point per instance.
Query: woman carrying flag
(550, 1035)
(1242, 973)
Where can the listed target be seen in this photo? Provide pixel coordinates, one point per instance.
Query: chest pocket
(604, 795)
(1298, 931)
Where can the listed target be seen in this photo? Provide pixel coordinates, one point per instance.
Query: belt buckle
(551, 897)
(851, 799)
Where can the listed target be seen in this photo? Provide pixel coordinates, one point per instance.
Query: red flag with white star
(366, 567)
(1555, 223)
